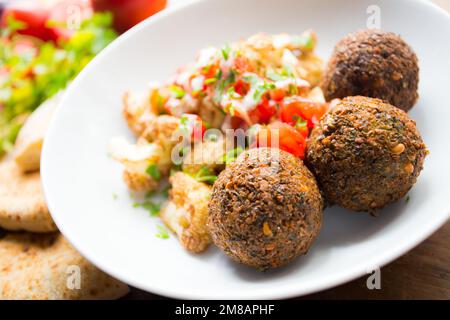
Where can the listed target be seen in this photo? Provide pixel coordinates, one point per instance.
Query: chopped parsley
(224, 84)
(210, 80)
(149, 194)
(151, 207)
(213, 137)
(261, 89)
(300, 122)
(274, 76)
(292, 90)
(305, 41)
(205, 174)
(231, 155)
(184, 125)
(163, 233)
(226, 49)
(177, 91)
(165, 191)
(407, 198)
(153, 172)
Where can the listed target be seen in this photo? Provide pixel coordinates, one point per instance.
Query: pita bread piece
(46, 266)
(27, 149)
(22, 202)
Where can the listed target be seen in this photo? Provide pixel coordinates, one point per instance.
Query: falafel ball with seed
(376, 64)
(365, 154)
(265, 209)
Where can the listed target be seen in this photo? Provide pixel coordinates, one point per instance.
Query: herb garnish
(177, 91)
(205, 174)
(151, 207)
(152, 171)
(300, 122)
(226, 51)
(231, 155)
(162, 232)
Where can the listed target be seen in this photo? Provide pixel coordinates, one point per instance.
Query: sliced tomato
(283, 136)
(67, 15)
(34, 17)
(303, 108)
(263, 112)
(128, 13)
(48, 21)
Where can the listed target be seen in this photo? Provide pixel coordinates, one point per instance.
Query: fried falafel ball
(365, 154)
(265, 209)
(376, 64)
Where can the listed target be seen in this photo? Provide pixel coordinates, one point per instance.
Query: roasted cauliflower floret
(210, 113)
(187, 211)
(163, 129)
(144, 163)
(150, 159)
(208, 154)
(138, 110)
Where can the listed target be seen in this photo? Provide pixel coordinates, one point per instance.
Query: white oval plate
(80, 179)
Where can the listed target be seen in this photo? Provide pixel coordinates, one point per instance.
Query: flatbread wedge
(22, 202)
(46, 266)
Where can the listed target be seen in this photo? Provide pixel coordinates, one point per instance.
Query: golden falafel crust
(376, 64)
(365, 154)
(265, 209)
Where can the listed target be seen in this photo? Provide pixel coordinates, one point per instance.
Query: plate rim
(280, 292)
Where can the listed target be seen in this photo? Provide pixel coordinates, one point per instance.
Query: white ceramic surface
(79, 178)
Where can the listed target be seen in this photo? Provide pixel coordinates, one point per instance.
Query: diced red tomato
(283, 136)
(303, 108)
(128, 13)
(263, 112)
(195, 125)
(210, 71)
(241, 87)
(277, 94)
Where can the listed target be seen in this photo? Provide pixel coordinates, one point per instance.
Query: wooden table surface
(422, 273)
